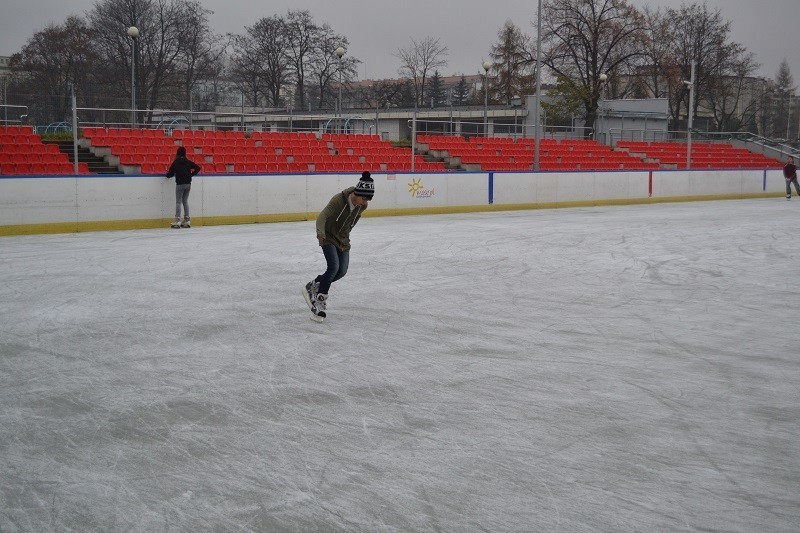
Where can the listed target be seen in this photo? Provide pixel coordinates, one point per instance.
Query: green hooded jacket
(336, 220)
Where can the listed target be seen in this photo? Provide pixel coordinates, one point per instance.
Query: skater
(790, 173)
(183, 169)
(333, 233)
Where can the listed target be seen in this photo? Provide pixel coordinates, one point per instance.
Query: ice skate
(176, 223)
(318, 307)
(310, 292)
(186, 223)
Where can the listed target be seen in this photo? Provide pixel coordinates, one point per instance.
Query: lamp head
(339, 52)
(486, 66)
(688, 84)
(603, 77)
(133, 32)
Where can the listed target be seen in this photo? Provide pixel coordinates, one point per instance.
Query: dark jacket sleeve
(196, 168)
(171, 171)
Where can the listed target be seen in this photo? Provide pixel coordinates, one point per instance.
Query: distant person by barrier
(183, 169)
(790, 173)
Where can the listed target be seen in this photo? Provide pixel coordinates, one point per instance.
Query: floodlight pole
(691, 115)
(486, 66)
(600, 115)
(74, 130)
(536, 133)
(339, 54)
(133, 33)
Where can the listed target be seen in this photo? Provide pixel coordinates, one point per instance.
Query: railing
(756, 143)
(645, 135)
(498, 128)
(21, 117)
(169, 119)
(751, 141)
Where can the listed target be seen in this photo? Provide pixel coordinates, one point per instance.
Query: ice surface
(598, 369)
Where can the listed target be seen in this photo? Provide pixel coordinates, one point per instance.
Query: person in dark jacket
(333, 233)
(790, 173)
(183, 169)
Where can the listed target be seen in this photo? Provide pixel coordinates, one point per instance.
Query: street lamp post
(536, 134)
(339, 54)
(602, 79)
(5, 100)
(450, 105)
(377, 107)
(486, 66)
(516, 101)
(133, 33)
(798, 124)
(690, 83)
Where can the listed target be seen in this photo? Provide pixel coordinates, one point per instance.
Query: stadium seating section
(704, 155)
(150, 151)
(508, 154)
(22, 152)
(221, 152)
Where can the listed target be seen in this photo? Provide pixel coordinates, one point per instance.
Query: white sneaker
(186, 223)
(176, 223)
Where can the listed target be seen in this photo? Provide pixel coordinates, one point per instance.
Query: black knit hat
(366, 186)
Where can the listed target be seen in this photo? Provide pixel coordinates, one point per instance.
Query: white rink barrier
(58, 204)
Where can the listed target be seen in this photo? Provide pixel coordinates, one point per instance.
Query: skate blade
(318, 318)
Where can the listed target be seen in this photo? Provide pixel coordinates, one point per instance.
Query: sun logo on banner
(415, 185)
(418, 190)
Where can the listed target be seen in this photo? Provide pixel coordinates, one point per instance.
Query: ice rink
(624, 368)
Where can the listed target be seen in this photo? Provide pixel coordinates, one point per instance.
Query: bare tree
(302, 33)
(160, 46)
(389, 93)
(652, 78)
(53, 60)
(326, 68)
(201, 50)
(731, 94)
(513, 63)
(702, 35)
(583, 39)
(420, 59)
(260, 65)
(247, 69)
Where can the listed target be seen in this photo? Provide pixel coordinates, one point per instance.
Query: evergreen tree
(513, 63)
(436, 93)
(784, 90)
(461, 92)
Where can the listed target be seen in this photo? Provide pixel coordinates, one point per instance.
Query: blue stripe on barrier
(491, 188)
(764, 187)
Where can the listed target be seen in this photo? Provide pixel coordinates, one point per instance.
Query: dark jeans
(789, 189)
(338, 262)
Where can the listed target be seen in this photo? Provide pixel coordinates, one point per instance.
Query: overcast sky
(378, 28)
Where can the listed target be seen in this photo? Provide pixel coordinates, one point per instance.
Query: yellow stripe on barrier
(116, 225)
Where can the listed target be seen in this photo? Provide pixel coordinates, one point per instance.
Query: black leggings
(182, 197)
